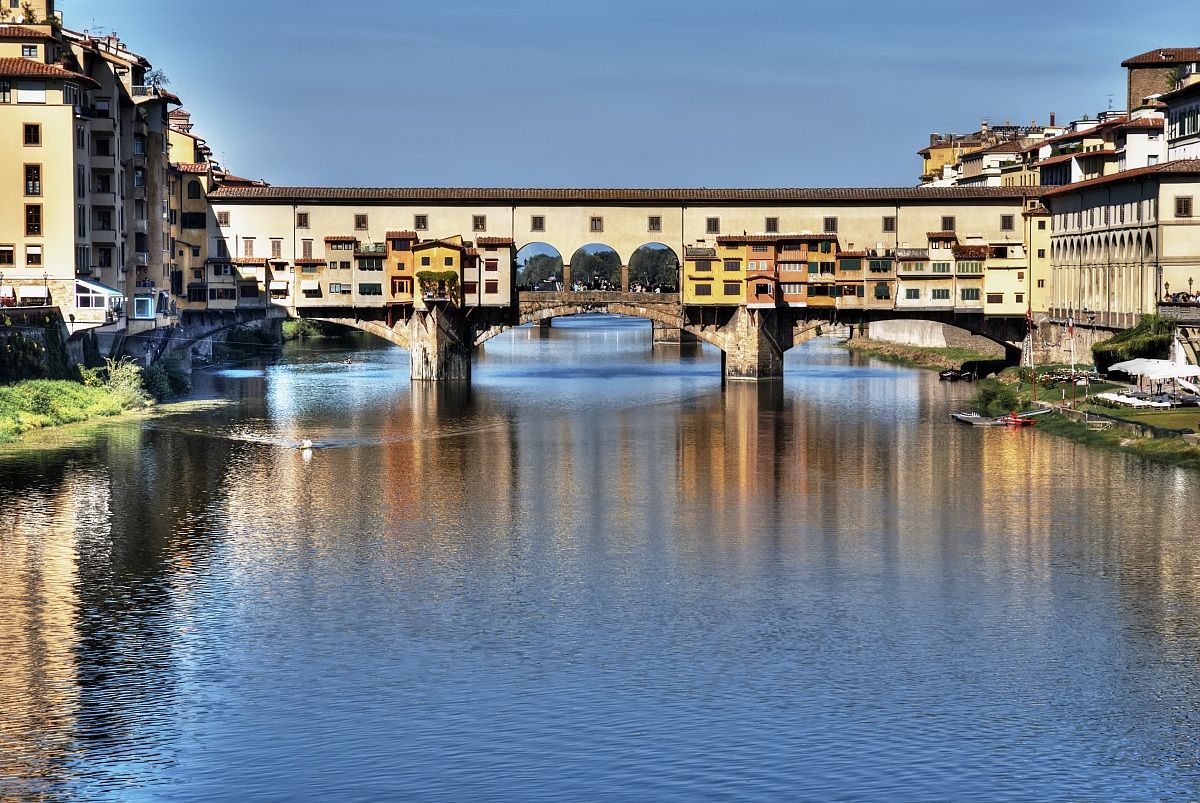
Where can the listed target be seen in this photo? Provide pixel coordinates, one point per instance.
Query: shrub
(124, 380)
(995, 399)
(156, 382)
(179, 379)
(1151, 338)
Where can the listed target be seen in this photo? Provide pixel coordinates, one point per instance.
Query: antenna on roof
(1110, 101)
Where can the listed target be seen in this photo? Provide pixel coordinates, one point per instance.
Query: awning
(33, 291)
(279, 285)
(308, 285)
(97, 287)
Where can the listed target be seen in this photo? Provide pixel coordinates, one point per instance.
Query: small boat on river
(976, 420)
(1025, 419)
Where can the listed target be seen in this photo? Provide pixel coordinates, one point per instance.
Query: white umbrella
(1139, 366)
(1173, 371)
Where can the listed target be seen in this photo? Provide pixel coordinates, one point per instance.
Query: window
(1006, 222)
(33, 179)
(5, 90)
(249, 290)
(196, 251)
(830, 225)
(448, 262)
(537, 223)
(596, 224)
(1041, 282)
(33, 134)
(470, 288)
(420, 222)
(941, 267)
(879, 265)
(970, 266)
(6, 254)
(248, 247)
(192, 220)
(360, 222)
(31, 91)
(306, 249)
(1041, 253)
(33, 220)
(425, 262)
(370, 289)
(491, 265)
(853, 264)
(762, 289)
(948, 222)
(882, 292)
(1041, 225)
(194, 189)
(1183, 206)
(912, 294)
(703, 265)
(1020, 298)
(940, 294)
(704, 289)
(29, 51)
(732, 288)
(995, 298)
(302, 220)
(771, 225)
(733, 264)
(370, 263)
(889, 223)
(222, 294)
(223, 219)
(759, 248)
(33, 256)
(970, 294)
(491, 286)
(712, 225)
(654, 223)
(276, 249)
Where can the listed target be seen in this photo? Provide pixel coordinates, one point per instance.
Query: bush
(1151, 338)
(179, 379)
(124, 381)
(156, 382)
(994, 399)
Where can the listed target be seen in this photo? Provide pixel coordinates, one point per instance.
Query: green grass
(917, 356)
(1180, 418)
(39, 403)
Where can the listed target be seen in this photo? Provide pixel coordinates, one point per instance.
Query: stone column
(545, 323)
(624, 278)
(440, 345)
(754, 345)
(666, 334)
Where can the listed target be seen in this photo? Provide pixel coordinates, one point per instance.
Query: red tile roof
(28, 68)
(366, 195)
(190, 167)
(493, 241)
(1066, 157)
(254, 261)
(773, 238)
(341, 238)
(941, 235)
(1164, 56)
(10, 32)
(1179, 167)
(401, 235)
(310, 262)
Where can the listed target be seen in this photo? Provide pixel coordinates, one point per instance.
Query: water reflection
(593, 573)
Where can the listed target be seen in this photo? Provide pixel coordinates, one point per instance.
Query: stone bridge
(441, 340)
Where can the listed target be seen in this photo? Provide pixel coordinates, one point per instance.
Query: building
(1156, 72)
(1183, 116)
(1120, 242)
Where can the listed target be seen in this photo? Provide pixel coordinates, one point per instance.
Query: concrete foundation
(930, 334)
(754, 345)
(1052, 345)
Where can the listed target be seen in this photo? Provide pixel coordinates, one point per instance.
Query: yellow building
(439, 265)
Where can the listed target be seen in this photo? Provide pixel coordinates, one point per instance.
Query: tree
(654, 265)
(540, 267)
(5, 14)
(595, 267)
(28, 12)
(157, 79)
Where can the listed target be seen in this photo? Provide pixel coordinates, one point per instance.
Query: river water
(595, 574)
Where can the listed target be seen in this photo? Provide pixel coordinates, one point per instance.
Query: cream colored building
(1120, 242)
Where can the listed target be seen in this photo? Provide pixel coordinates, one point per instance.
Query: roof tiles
(11, 67)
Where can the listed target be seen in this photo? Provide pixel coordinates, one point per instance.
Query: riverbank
(1171, 450)
(41, 403)
(917, 356)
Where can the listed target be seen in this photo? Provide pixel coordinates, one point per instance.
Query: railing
(141, 258)
(371, 248)
(912, 253)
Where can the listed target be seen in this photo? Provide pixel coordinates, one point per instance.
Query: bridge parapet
(552, 298)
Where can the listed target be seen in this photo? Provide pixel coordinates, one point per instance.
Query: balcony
(370, 249)
(105, 199)
(912, 253)
(104, 161)
(141, 258)
(140, 226)
(104, 235)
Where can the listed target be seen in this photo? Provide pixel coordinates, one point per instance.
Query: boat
(976, 420)
(953, 375)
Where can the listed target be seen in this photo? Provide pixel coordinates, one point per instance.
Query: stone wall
(929, 334)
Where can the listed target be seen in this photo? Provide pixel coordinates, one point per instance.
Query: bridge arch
(654, 265)
(595, 265)
(538, 262)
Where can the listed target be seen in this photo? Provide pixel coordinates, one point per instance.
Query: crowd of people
(1181, 298)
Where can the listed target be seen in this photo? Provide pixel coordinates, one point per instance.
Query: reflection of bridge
(442, 339)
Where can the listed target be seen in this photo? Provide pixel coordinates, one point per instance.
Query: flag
(1070, 327)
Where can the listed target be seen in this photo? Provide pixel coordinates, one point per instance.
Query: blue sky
(622, 92)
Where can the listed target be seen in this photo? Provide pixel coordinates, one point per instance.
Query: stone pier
(666, 334)
(755, 342)
(440, 345)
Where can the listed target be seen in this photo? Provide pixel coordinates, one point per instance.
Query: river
(594, 575)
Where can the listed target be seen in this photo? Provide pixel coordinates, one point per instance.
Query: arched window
(194, 189)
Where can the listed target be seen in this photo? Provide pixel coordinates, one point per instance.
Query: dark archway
(539, 266)
(596, 266)
(654, 266)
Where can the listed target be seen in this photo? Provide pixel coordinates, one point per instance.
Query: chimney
(1052, 119)
(983, 126)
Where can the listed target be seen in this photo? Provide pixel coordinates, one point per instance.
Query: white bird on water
(306, 444)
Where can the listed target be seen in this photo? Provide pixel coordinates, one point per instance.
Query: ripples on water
(592, 575)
